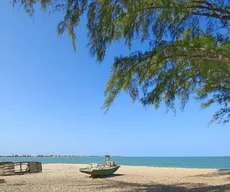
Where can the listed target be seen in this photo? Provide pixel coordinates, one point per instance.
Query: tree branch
(224, 17)
(225, 13)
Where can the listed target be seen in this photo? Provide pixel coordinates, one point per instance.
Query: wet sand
(67, 178)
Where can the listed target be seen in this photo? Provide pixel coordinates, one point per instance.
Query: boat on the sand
(100, 170)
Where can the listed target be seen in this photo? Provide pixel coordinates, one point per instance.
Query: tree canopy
(188, 53)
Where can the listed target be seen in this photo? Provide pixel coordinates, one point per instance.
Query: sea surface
(186, 162)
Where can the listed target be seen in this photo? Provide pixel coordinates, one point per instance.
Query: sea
(184, 162)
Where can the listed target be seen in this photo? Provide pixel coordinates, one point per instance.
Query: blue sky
(51, 98)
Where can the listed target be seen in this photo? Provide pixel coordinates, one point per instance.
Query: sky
(51, 99)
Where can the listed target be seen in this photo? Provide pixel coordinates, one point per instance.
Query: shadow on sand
(154, 187)
(133, 187)
(219, 172)
(108, 176)
(2, 181)
(107, 184)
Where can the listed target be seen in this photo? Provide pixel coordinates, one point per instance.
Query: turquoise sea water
(187, 162)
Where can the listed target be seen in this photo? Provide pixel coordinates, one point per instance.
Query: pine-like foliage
(188, 54)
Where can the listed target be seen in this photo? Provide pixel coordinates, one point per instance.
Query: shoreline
(174, 162)
(137, 166)
(59, 157)
(83, 164)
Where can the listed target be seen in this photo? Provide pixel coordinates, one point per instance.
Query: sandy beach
(67, 178)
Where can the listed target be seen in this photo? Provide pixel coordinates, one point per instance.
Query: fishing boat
(100, 170)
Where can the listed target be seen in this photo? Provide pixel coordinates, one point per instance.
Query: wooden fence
(10, 168)
(27, 167)
(6, 168)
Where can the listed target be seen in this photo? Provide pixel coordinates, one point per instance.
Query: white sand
(67, 178)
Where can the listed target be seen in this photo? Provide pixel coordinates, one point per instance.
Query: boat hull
(100, 172)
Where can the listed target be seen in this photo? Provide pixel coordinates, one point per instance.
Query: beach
(67, 178)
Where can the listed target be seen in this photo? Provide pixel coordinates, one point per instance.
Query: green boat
(100, 170)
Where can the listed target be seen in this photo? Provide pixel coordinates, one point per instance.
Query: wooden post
(20, 168)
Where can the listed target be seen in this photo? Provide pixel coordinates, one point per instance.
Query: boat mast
(107, 159)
